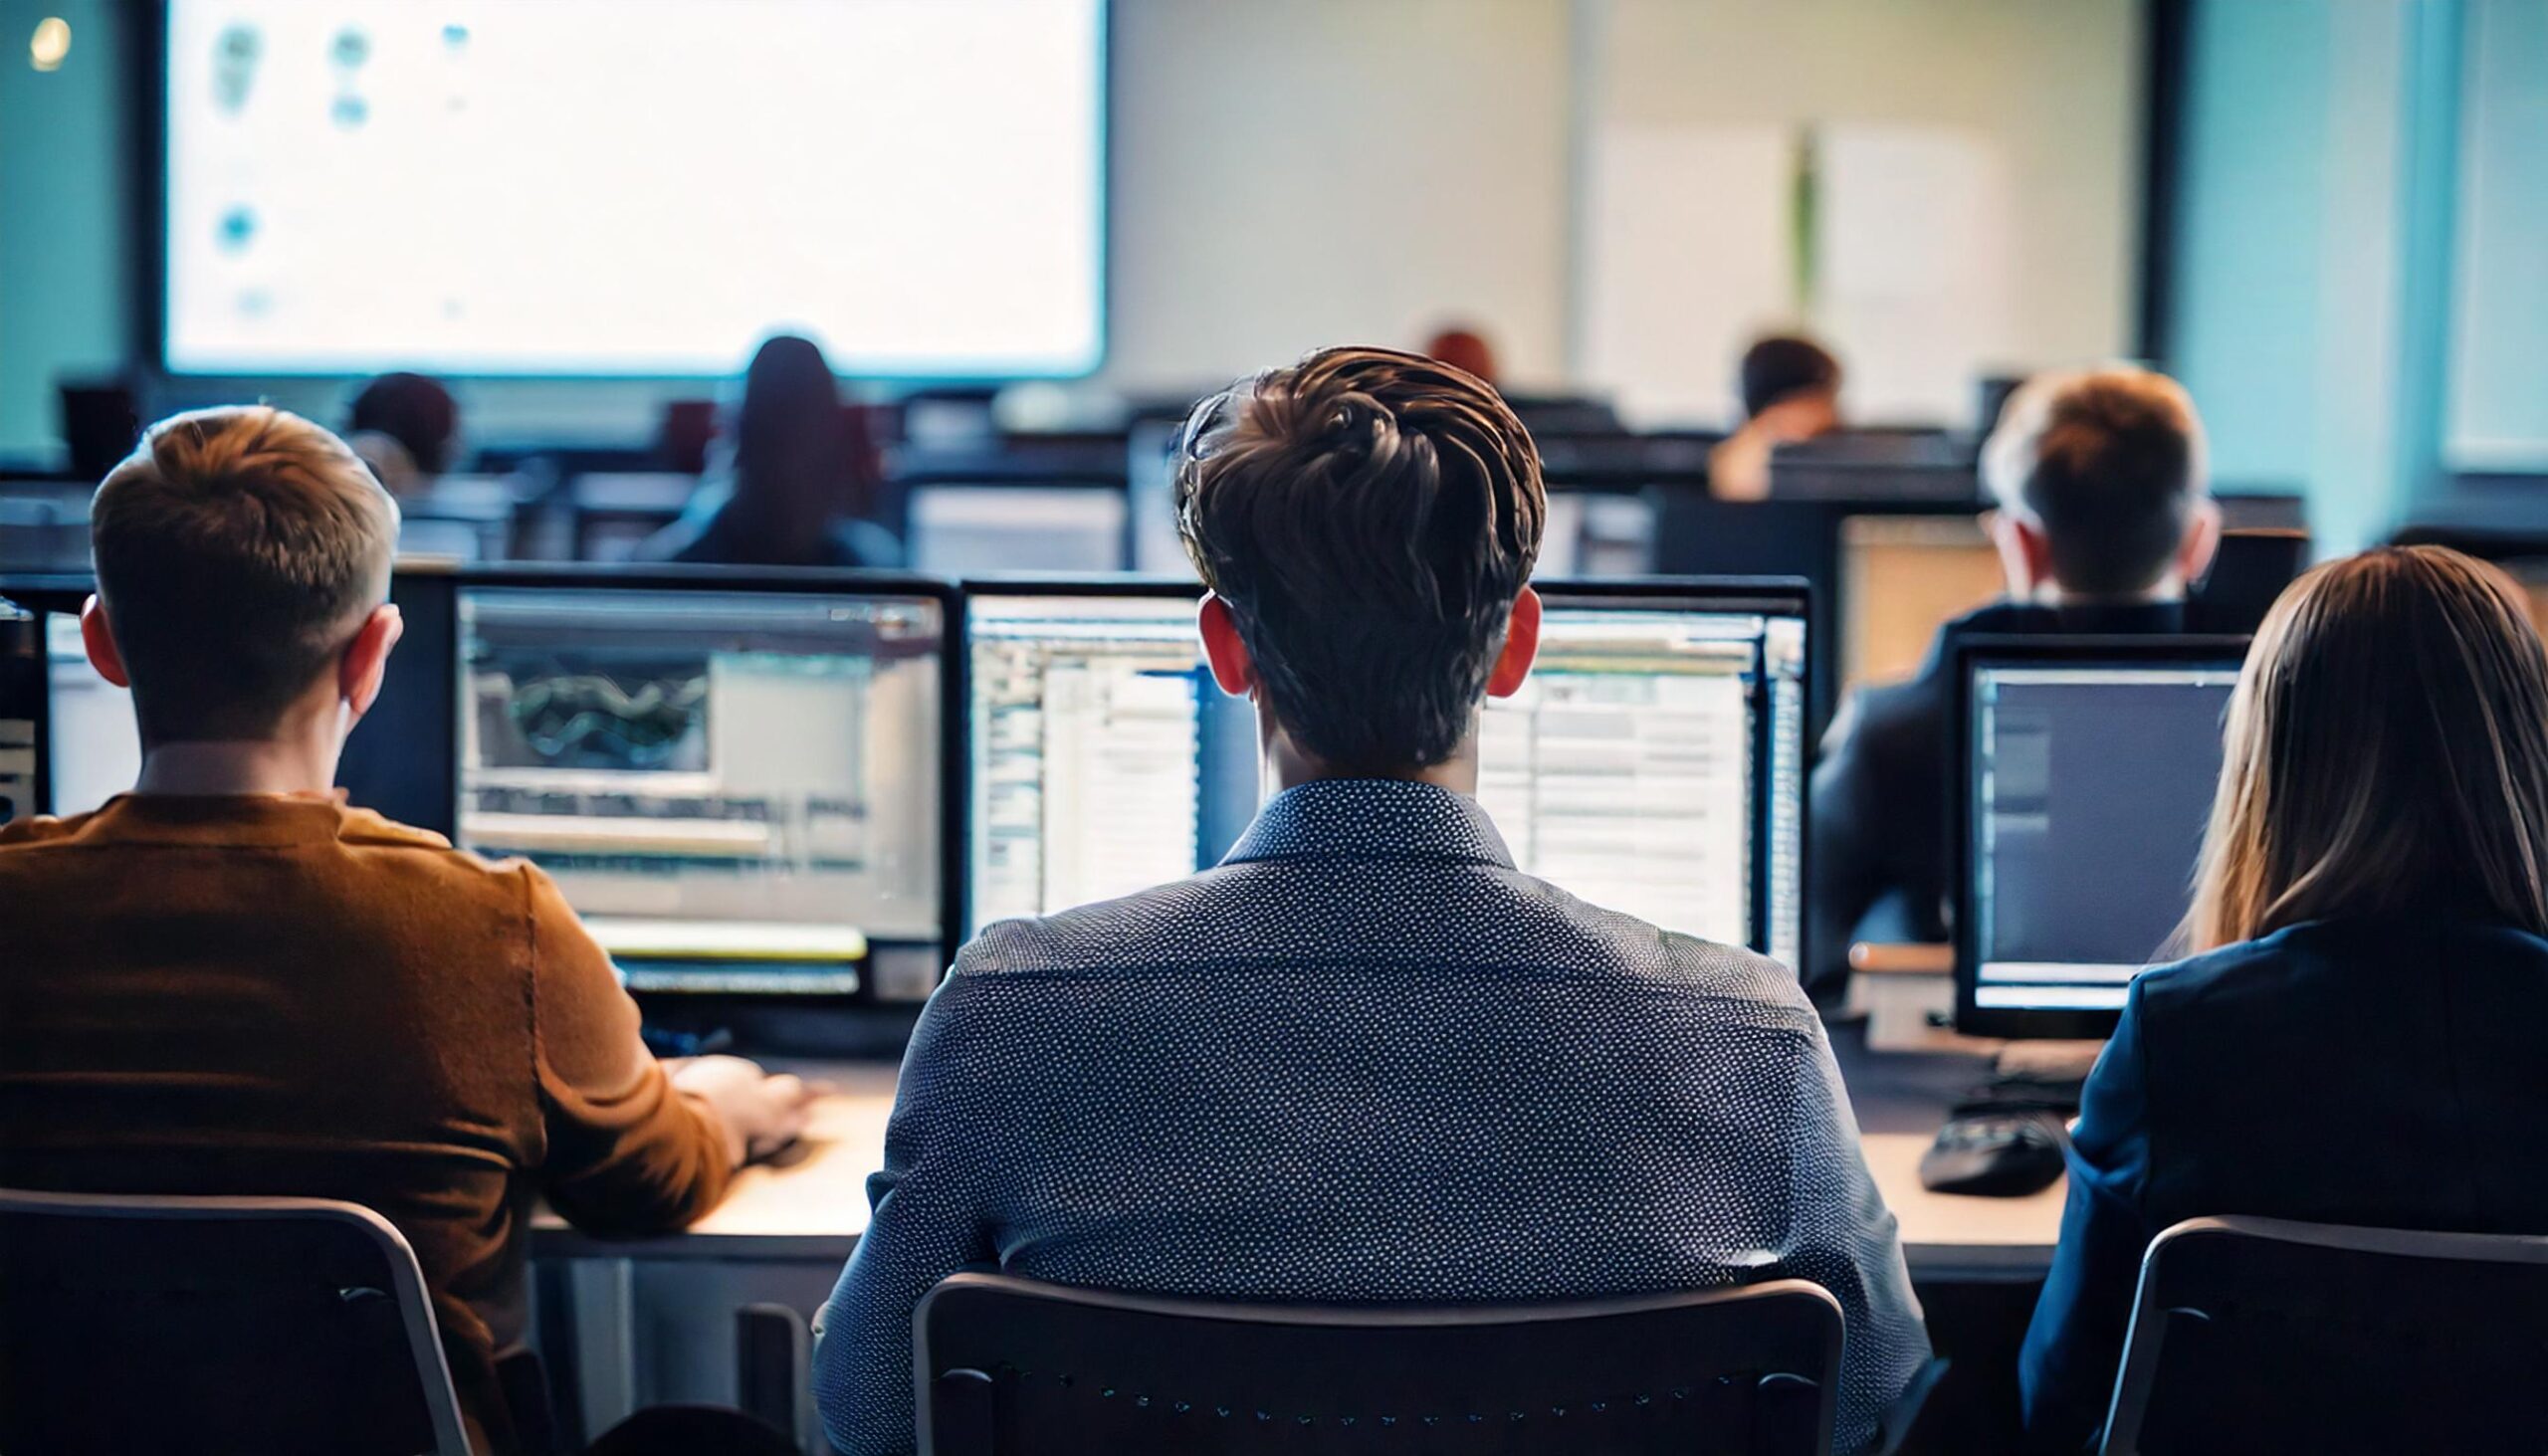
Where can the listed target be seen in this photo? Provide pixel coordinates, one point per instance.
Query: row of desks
(813, 1204)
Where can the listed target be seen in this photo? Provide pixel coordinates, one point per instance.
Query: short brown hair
(237, 551)
(1783, 366)
(1370, 517)
(2387, 753)
(2109, 464)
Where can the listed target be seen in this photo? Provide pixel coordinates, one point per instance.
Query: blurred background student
(2357, 1041)
(1790, 394)
(799, 483)
(406, 427)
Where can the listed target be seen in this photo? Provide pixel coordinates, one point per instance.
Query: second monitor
(1654, 763)
(733, 781)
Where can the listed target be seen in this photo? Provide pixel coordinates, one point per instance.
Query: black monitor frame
(708, 1006)
(1767, 597)
(1972, 655)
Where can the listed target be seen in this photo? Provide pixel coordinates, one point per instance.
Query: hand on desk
(761, 1112)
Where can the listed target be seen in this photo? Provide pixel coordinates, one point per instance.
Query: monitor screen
(964, 531)
(737, 790)
(607, 187)
(1653, 762)
(2088, 781)
(93, 747)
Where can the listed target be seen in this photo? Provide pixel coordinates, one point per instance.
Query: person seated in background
(1463, 348)
(2103, 520)
(2357, 1040)
(227, 981)
(798, 486)
(406, 427)
(1366, 1058)
(1790, 393)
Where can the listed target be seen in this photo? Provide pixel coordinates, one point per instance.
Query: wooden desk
(815, 1207)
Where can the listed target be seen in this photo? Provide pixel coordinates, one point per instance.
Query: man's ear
(366, 658)
(2026, 556)
(2202, 541)
(1521, 647)
(100, 639)
(1232, 668)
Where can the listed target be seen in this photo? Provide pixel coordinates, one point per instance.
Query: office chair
(2251, 570)
(273, 1325)
(2259, 1335)
(1020, 1369)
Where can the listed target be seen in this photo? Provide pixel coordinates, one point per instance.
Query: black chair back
(1021, 1369)
(291, 1327)
(2249, 571)
(2256, 1334)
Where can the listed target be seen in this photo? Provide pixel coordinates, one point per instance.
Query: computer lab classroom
(1533, 727)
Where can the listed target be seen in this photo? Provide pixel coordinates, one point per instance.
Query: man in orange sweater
(227, 982)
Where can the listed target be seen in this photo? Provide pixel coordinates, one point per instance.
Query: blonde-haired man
(227, 981)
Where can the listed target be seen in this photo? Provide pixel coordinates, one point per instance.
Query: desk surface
(814, 1206)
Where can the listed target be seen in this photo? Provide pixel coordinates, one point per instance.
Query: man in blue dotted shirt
(1365, 1059)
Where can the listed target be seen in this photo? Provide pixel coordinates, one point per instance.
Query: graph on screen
(636, 187)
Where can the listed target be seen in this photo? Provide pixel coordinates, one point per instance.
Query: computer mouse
(1994, 1154)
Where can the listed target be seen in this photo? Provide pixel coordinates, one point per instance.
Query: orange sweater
(268, 995)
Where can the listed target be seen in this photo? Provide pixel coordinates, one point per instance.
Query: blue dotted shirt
(1364, 1060)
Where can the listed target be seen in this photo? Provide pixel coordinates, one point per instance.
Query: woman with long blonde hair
(2357, 1040)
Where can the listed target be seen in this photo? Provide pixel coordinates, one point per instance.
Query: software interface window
(736, 790)
(2091, 787)
(96, 748)
(1653, 765)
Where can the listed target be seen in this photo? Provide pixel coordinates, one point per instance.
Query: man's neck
(227, 767)
(1285, 767)
(2053, 594)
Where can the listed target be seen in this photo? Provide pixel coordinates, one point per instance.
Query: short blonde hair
(238, 549)
(2108, 464)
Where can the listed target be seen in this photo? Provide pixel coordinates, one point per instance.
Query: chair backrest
(2251, 570)
(271, 1324)
(1022, 1369)
(2259, 1334)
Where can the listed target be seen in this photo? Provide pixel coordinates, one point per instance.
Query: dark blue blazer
(2386, 1071)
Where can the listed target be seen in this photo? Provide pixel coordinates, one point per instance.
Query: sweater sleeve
(626, 1154)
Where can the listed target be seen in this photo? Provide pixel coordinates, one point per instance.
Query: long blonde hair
(2387, 751)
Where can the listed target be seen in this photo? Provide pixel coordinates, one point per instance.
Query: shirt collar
(217, 819)
(1371, 818)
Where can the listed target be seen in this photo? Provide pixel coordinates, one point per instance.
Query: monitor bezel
(770, 580)
(1972, 655)
(1767, 597)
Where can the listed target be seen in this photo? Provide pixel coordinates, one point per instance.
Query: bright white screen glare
(634, 186)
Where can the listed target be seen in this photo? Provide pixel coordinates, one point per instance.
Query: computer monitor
(734, 779)
(2083, 780)
(88, 746)
(1902, 579)
(958, 531)
(1654, 763)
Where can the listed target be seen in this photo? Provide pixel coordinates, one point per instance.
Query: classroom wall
(1284, 174)
(2310, 315)
(63, 230)
(2050, 93)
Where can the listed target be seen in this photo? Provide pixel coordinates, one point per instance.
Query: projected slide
(634, 186)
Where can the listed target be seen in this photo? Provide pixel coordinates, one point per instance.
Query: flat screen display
(634, 187)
